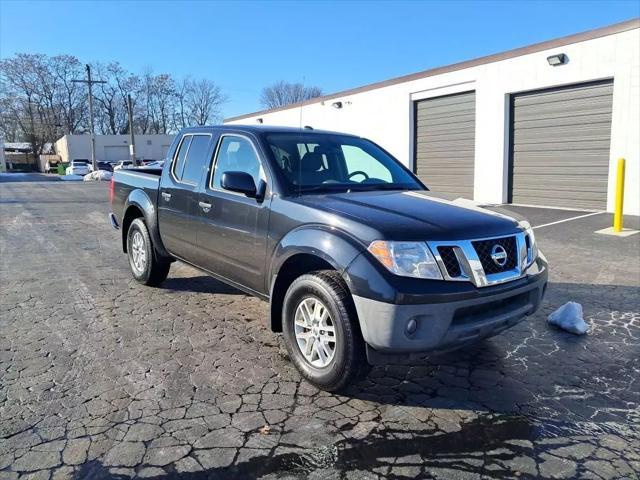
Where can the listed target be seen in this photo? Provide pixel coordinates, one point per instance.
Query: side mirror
(240, 182)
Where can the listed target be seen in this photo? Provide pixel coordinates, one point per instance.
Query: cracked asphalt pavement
(101, 377)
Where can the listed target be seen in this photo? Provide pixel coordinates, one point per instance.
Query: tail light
(112, 190)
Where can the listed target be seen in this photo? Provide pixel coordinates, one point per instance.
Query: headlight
(532, 248)
(408, 259)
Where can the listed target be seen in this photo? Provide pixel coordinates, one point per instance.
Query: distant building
(19, 156)
(112, 148)
(17, 147)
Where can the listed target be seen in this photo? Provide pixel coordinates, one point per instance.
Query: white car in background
(155, 164)
(79, 167)
(123, 164)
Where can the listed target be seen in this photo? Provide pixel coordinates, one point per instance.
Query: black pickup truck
(360, 265)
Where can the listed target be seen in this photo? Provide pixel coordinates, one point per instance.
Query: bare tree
(204, 99)
(158, 98)
(163, 96)
(284, 93)
(30, 101)
(10, 129)
(71, 97)
(111, 97)
(180, 113)
(39, 101)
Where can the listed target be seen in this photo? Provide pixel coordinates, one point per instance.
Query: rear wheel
(321, 331)
(146, 265)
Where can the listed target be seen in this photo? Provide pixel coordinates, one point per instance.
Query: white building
(112, 148)
(538, 125)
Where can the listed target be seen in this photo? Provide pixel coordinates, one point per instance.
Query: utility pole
(90, 82)
(132, 142)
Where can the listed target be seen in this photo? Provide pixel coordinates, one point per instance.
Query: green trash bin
(62, 168)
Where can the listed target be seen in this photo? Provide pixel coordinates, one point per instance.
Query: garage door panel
(590, 182)
(576, 157)
(447, 137)
(560, 146)
(562, 110)
(559, 109)
(448, 117)
(447, 100)
(448, 191)
(566, 120)
(452, 147)
(586, 146)
(461, 123)
(451, 173)
(445, 143)
(453, 163)
(444, 111)
(577, 93)
(447, 104)
(579, 133)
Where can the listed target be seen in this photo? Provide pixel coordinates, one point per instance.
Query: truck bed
(126, 180)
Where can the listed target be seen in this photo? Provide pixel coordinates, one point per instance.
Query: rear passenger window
(178, 165)
(196, 159)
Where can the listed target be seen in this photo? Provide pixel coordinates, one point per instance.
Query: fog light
(412, 325)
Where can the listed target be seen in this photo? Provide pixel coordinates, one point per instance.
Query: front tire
(322, 332)
(146, 265)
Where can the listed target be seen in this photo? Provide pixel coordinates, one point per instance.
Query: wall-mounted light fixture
(557, 60)
(337, 105)
(259, 120)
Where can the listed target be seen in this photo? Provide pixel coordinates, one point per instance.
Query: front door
(233, 228)
(177, 202)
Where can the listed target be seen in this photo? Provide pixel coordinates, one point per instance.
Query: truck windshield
(320, 162)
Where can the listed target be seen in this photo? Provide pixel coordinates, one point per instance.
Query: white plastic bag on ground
(569, 318)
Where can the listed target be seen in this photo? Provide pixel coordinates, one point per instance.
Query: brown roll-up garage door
(560, 146)
(445, 143)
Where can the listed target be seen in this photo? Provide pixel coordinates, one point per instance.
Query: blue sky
(334, 45)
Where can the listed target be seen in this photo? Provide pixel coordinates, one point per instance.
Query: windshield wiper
(382, 186)
(357, 187)
(323, 188)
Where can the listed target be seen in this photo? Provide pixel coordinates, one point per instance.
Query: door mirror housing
(240, 182)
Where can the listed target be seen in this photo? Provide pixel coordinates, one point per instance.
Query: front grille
(450, 261)
(484, 247)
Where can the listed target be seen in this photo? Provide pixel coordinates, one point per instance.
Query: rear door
(233, 228)
(178, 197)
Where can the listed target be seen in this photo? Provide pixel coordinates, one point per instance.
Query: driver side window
(357, 159)
(236, 154)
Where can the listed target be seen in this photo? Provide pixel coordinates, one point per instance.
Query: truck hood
(413, 215)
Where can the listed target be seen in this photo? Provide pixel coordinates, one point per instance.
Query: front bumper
(452, 323)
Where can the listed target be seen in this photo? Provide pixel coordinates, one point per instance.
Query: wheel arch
(139, 205)
(303, 251)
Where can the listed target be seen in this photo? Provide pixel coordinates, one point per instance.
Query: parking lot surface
(101, 377)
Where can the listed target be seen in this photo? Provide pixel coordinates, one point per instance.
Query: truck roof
(260, 129)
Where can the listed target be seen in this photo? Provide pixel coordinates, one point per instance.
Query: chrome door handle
(166, 196)
(205, 206)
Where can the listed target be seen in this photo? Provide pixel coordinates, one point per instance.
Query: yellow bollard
(617, 214)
